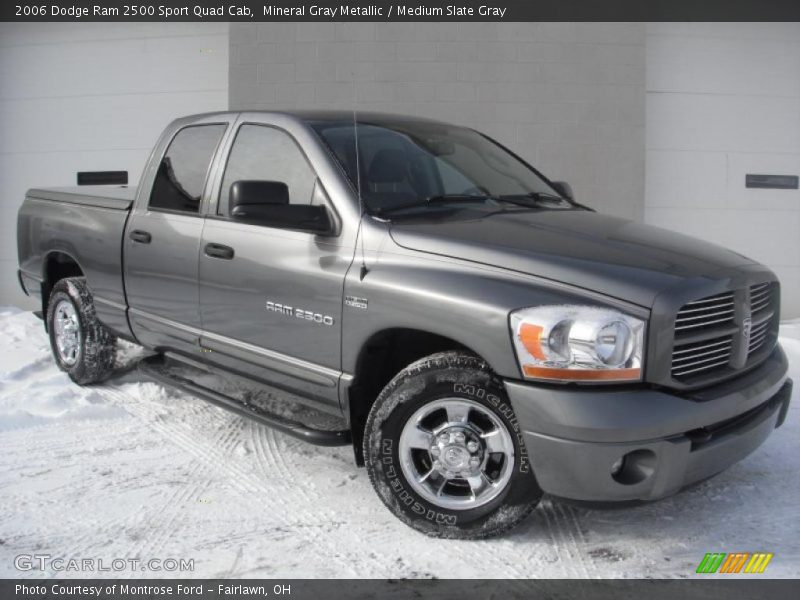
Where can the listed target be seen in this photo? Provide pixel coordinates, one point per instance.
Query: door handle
(219, 251)
(137, 235)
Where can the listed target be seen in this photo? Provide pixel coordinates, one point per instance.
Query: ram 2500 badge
(484, 337)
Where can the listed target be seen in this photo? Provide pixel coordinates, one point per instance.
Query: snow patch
(130, 468)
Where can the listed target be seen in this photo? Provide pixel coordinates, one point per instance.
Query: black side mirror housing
(267, 203)
(564, 189)
(247, 194)
(301, 217)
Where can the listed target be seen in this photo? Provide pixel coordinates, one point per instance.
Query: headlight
(578, 343)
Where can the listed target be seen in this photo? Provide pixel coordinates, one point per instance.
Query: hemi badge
(356, 302)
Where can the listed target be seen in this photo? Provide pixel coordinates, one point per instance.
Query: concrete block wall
(91, 97)
(723, 100)
(569, 97)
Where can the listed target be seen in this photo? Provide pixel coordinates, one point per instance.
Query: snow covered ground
(131, 469)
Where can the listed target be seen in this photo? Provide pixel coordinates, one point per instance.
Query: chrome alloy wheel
(456, 453)
(67, 332)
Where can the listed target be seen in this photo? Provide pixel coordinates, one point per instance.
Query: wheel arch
(382, 356)
(57, 265)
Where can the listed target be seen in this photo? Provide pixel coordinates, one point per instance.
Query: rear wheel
(81, 344)
(445, 452)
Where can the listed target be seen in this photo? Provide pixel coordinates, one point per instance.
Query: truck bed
(60, 227)
(118, 197)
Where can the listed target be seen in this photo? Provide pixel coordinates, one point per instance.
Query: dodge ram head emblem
(747, 326)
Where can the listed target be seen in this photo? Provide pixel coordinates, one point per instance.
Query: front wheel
(82, 346)
(445, 452)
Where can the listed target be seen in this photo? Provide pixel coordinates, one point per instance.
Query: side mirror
(302, 217)
(248, 195)
(267, 203)
(564, 189)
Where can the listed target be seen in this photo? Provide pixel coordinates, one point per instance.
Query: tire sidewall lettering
(402, 494)
(477, 392)
(442, 376)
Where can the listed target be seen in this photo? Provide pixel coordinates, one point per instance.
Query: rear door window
(182, 173)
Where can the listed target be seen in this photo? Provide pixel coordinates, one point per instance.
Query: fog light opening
(634, 467)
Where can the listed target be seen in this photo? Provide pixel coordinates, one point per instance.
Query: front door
(271, 298)
(162, 241)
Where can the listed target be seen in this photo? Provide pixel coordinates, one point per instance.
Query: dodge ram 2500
(485, 338)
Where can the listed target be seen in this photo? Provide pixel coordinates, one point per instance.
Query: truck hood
(612, 256)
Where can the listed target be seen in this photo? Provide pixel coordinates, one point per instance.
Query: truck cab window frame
(181, 190)
(307, 183)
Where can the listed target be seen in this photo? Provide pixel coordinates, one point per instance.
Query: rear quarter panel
(90, 235)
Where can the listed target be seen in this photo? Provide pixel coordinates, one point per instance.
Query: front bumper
(574, 436)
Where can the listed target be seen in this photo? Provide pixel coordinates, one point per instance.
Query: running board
(155, 367)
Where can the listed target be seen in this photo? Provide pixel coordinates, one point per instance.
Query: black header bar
(390, 11)
(733, 588)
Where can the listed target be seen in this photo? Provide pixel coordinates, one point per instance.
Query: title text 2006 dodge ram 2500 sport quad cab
(486, 338)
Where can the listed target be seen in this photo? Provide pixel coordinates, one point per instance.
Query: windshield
(418, 165)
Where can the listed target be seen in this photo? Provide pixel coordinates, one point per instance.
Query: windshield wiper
(537, 197)
(541, 198)
(433, 200)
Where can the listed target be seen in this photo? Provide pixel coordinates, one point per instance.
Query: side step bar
(155, 367)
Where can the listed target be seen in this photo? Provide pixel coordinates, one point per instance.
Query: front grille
(761, 297)
(762, 301)
(710, 339)
(701, 356)
(707, 312)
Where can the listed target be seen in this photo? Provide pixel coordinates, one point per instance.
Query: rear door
(271, 298)
(162, 239)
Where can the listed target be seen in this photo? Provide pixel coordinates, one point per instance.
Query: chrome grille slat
(697, 360)
(681, 319)
(703, 347)
(703, 324)
(692, 359)
(717, 297)
(703, 368)
(724, 305)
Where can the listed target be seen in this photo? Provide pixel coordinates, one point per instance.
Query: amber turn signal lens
(582, 374)
(531, 337)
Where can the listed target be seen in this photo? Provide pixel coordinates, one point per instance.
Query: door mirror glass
(564, 189)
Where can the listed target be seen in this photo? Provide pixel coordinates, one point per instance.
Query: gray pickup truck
(484, 337)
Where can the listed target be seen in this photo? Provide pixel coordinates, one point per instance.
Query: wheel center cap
(456, 457)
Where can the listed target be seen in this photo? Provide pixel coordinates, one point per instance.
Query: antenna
(363, 272)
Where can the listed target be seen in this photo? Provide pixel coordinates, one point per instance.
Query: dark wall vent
(103, 178)
(772, 182)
